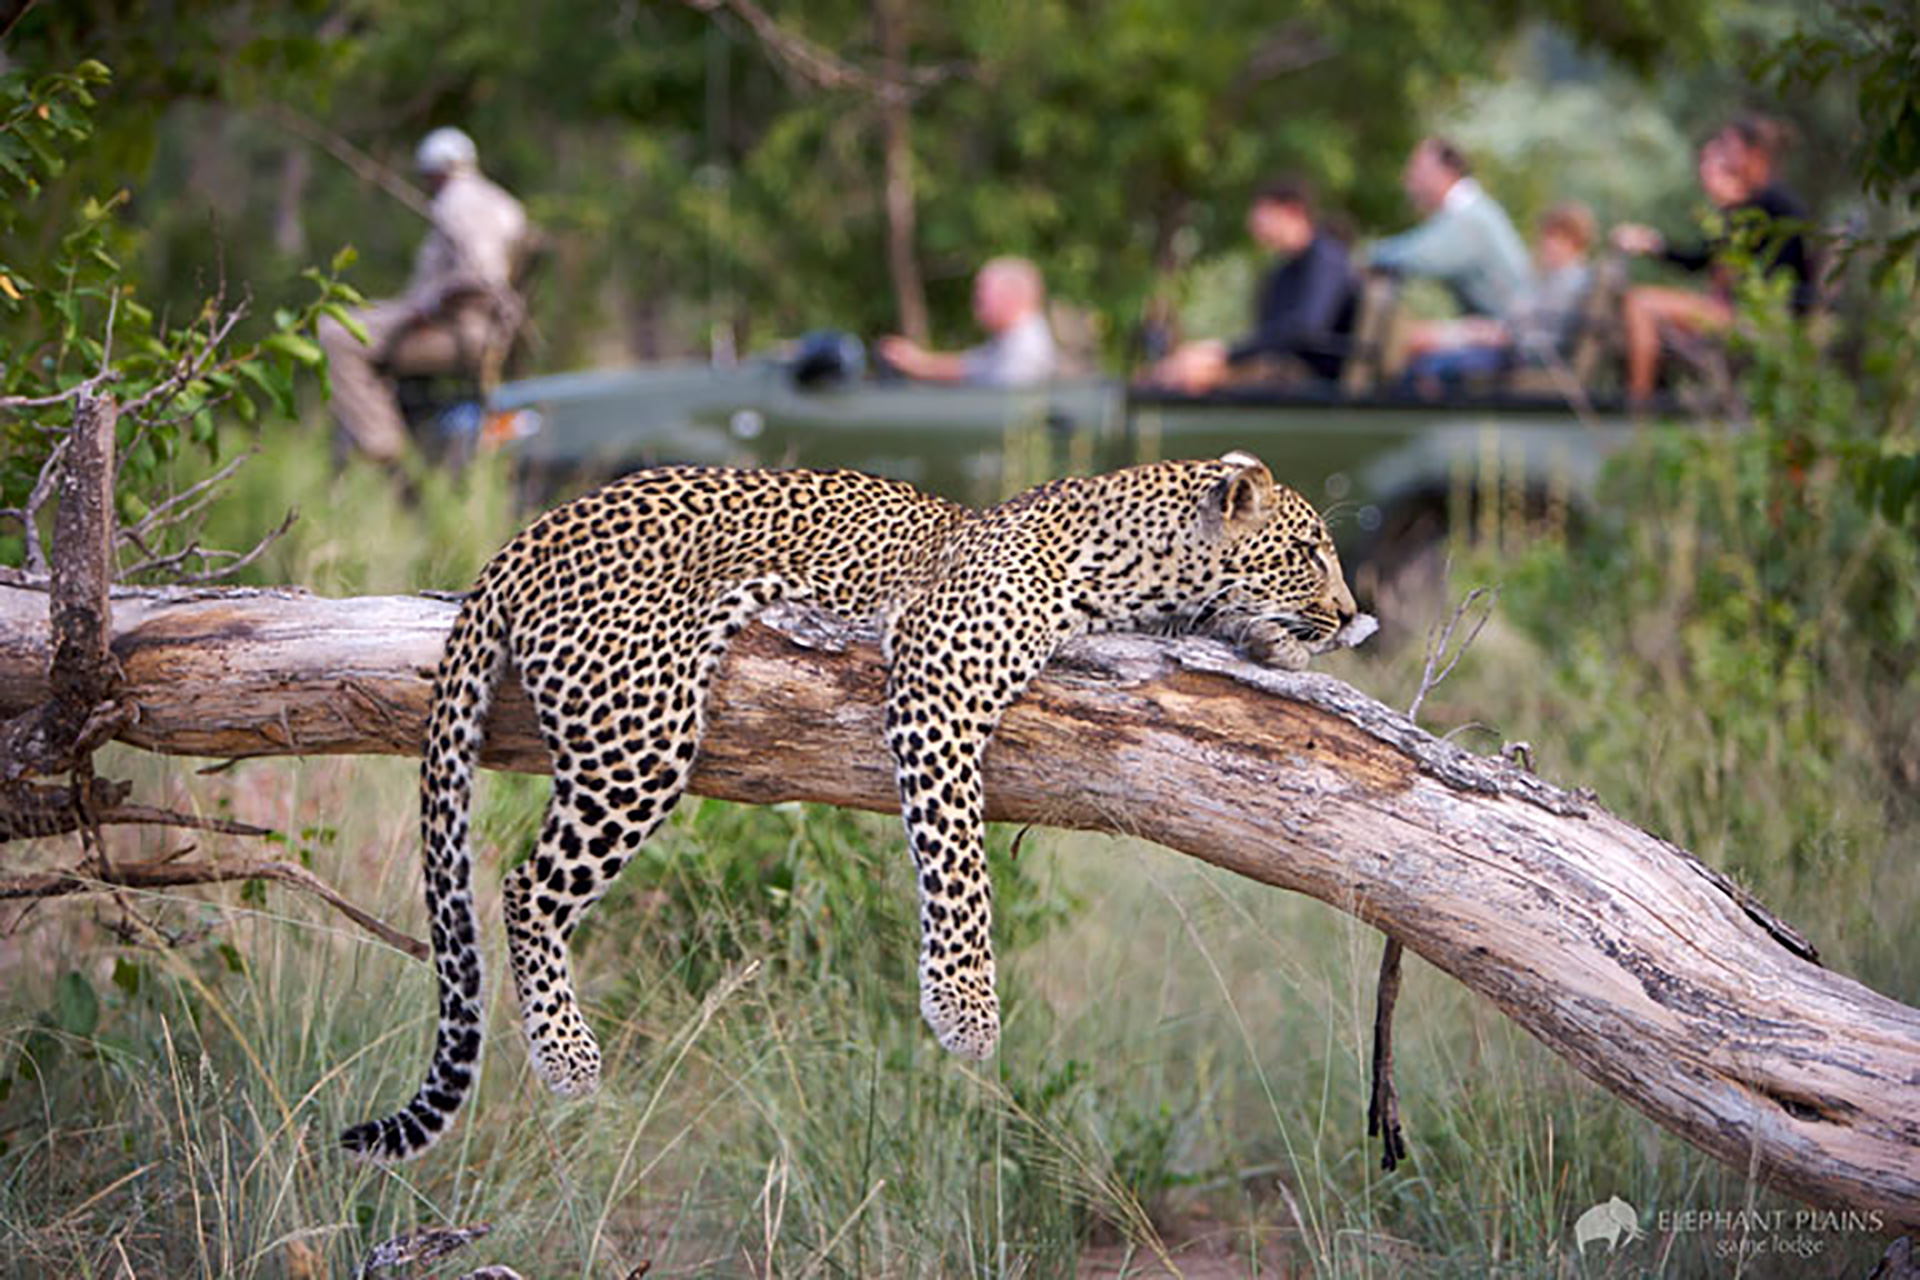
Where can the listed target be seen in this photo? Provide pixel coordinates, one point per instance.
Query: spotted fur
(616, 608)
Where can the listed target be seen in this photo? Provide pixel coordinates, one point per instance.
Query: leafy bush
(71, 320)
(1747, 595)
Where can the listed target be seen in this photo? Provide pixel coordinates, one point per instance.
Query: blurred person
(1757, 141)
(1727, 173)
(1009, 303)
(1540, 326)
(1304, 305)
(457, 304)
(1466, 241)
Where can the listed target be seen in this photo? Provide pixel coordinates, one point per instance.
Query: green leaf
(303, 349)
(346, 257)
(230, 954)
(127, 975)
(76, 1009)
(348, 321)
(272, 380)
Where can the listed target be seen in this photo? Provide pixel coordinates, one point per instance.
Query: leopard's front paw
(566, 1056)
(1274, 646)
(963, 1011)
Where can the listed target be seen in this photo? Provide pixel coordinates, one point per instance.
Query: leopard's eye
(1315, 552)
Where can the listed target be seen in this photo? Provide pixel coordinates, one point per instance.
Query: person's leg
(362, 398)
(1649, 309)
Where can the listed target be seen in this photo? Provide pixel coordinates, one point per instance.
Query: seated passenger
(1539, 327)
(1732, 171)
(1304, 309)
(1467, 242)
(1009, 302)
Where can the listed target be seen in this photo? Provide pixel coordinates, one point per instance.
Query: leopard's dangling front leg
(948, 684)
(937, 767)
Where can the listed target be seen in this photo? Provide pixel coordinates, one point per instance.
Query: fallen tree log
(1649, 972)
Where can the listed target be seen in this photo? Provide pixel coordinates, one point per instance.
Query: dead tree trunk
(1649, 972)
(53, 734)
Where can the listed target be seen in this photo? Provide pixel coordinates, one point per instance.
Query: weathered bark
(1646, 970)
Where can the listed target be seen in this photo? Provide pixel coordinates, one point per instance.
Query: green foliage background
(694, 176)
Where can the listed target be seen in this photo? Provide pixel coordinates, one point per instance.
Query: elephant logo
(1607, 1222)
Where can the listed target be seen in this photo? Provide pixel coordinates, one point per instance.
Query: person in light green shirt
(1467, 242)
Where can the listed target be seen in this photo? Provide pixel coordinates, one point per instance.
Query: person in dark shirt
(1735, 173)
(1304, 307)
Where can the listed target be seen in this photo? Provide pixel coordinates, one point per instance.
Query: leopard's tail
(470, 670)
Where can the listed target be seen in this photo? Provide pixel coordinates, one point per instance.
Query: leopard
(616, 609)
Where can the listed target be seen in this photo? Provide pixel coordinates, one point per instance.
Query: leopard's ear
(1247, 498)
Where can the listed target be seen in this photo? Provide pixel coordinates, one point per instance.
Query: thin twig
(43, 486)
(166, 873)
(820, 66)
(1429, 680)
(168, 512)
(192, 364)
(74, 392)
(348, 154)
(14, 21)
(237, 560)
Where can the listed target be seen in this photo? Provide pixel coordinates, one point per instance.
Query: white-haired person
(458, 300)
(1009, 303)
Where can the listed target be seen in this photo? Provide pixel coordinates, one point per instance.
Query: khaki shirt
(477, 229)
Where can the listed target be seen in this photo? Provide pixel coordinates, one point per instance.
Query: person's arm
(1643, 241)
(914, 360)
(1305, 311)
(1440, 246)
(1690, 257)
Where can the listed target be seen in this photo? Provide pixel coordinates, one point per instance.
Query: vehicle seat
(1377, 328)
(1596, 332)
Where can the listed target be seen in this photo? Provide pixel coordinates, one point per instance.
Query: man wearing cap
(457, 304)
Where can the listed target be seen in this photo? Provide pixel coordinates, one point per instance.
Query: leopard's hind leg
(622, 722)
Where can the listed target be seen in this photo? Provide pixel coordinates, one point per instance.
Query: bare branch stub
(1383, 1111)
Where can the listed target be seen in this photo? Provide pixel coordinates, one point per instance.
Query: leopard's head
(1277, 570)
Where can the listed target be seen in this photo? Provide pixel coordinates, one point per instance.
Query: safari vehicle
(1393, 473)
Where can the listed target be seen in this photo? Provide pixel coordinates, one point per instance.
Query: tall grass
(1182, 1081)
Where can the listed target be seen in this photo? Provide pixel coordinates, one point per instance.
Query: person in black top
(1735, 171)
(1304, 309)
